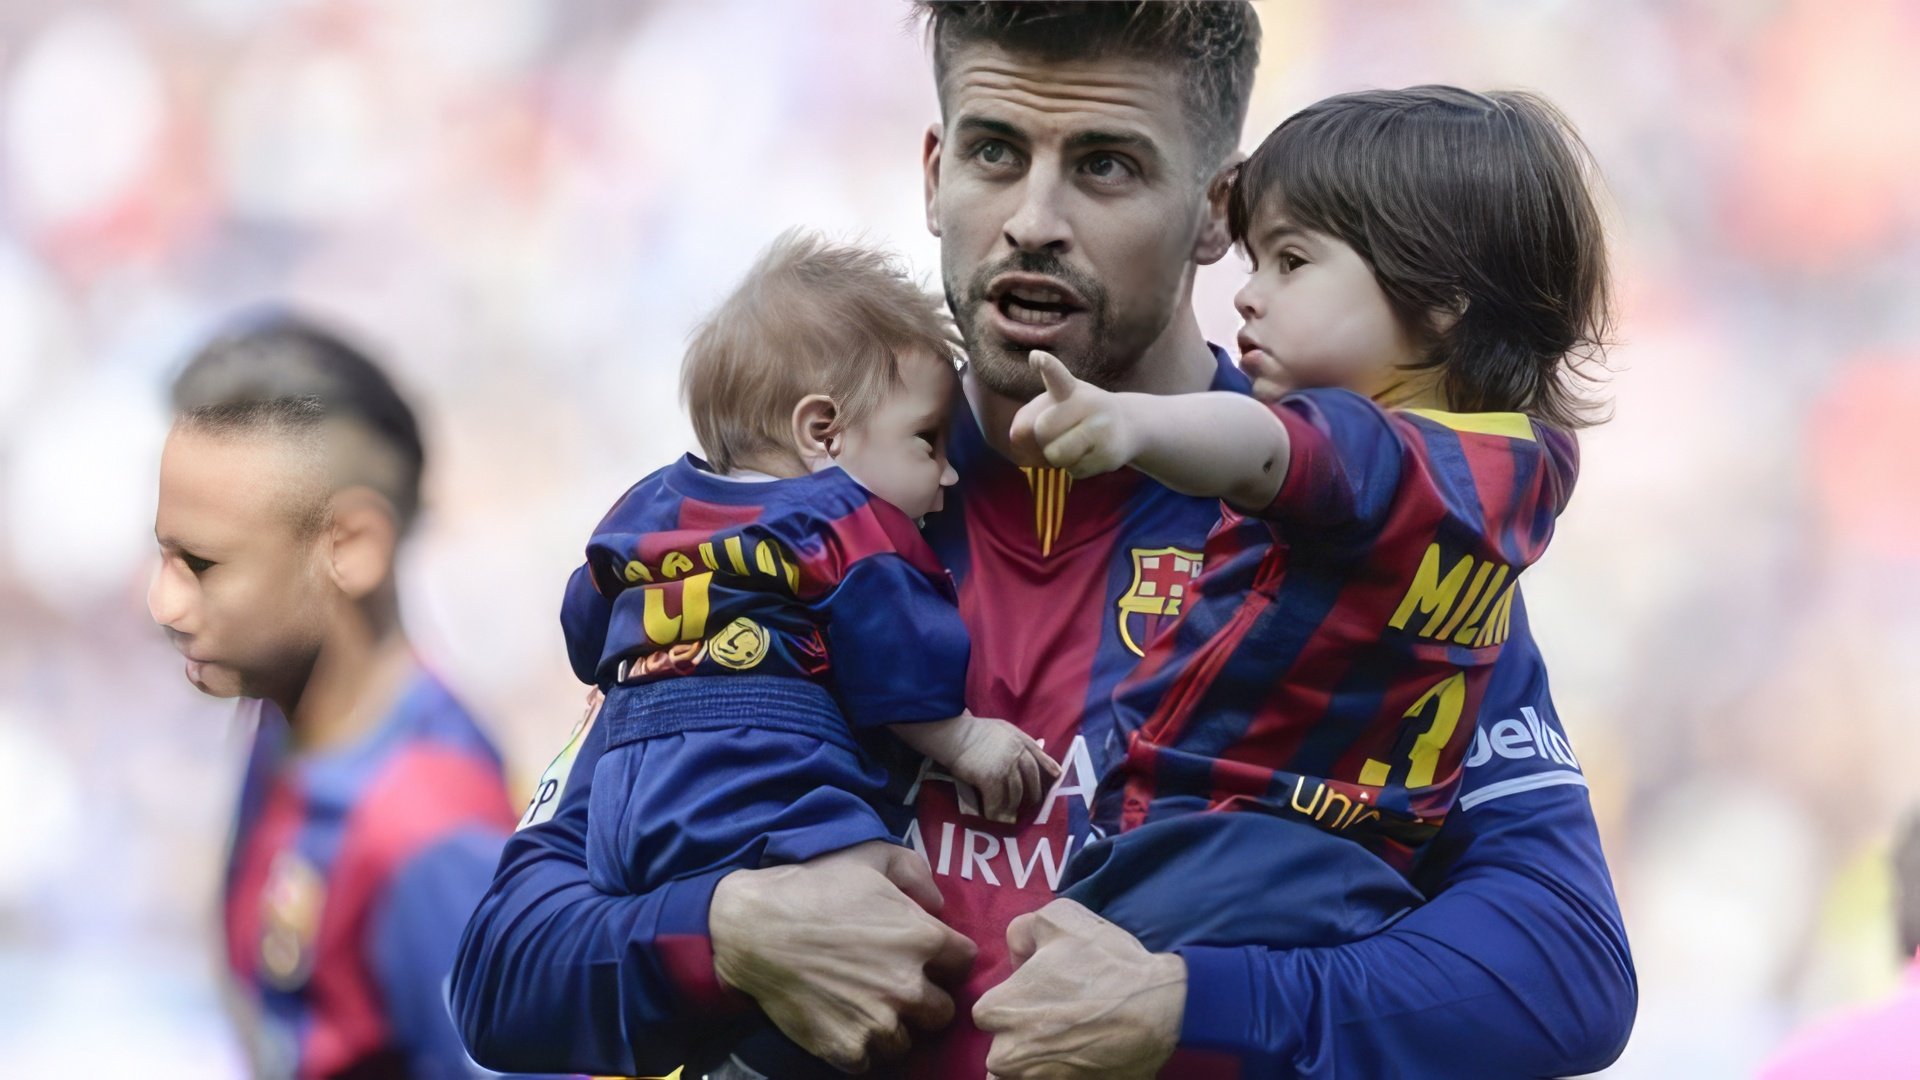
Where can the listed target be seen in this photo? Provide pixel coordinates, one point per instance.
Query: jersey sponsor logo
(1162, 577)
(1019, 861)
(546, 793)
(1478, 616)
(1049, 487)
(290, 906)
(1523, 739)
(741, 645)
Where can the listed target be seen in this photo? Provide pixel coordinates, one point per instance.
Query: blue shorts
(1237, 878)
(742, 770)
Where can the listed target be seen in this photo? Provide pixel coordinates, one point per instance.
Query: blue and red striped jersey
(1329, 663)
(350, 872)
(814, 577)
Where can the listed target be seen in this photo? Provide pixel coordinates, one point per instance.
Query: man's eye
(993, 152)
(197, 564)
(1107, 167)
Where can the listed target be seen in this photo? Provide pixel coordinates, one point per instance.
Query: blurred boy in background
(1882, 1039)
(373, 808)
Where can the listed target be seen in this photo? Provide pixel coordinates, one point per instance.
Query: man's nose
(1037, 223)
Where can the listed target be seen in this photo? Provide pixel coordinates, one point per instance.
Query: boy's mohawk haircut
(1214, 45)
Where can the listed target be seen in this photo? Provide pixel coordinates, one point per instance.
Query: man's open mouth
(1036, 306)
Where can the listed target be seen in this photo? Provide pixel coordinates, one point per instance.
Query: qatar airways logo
(1020, 861)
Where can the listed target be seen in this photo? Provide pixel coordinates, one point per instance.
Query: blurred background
(524, 207)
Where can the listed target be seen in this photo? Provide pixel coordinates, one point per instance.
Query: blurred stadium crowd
(525, 206)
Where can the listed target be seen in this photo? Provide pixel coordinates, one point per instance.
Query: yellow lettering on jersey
(636, 571)
(1430, 593)
(675, 564)
(735, 556)
(1457, 601)
(706, 555)
(690, 625)
(1450, 697)
(1472, 630)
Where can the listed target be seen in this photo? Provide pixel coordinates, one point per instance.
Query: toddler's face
(1315, 315)
(900, 452)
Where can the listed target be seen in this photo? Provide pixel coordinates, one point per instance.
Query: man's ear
(815, 438)
(363, 538)
(1214, 241)
(930, 166)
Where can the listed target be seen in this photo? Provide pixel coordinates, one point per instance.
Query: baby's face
(1315, 315)
(900, 452)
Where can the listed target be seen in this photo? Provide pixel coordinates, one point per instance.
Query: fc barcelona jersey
(1063, 583)
(1330, 662)
(813, 577)
(350, 874)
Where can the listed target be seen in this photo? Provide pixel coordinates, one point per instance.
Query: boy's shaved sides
(278, 372)
(1214, 45)
(298, 425)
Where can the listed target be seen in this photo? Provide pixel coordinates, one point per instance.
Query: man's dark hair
(1464, 202)
(283, 373)
(1214, 45)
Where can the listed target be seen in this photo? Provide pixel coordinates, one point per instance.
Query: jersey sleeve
(1518, 966)
(553, 974)
(584, 615)
(412, 943)
(898, 646)
(1344, 467)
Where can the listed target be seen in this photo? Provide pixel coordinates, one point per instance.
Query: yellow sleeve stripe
(1512, 425)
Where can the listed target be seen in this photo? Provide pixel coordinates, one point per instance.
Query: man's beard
(1003, 367)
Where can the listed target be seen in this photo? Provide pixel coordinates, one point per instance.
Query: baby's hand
(1077, 426)
(1003, 764)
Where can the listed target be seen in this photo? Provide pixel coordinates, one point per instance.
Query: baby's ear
(814, 436)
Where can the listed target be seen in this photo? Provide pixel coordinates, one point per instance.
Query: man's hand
(1076, 426)
(840, 952)
(1085, 1000)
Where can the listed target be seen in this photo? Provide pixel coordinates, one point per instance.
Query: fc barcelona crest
(290, 907)
(1161, 579)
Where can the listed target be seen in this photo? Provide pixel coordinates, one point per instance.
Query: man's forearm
(1216, 445)
(1519, 968)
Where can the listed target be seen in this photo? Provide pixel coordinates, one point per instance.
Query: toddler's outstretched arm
(1218, 445)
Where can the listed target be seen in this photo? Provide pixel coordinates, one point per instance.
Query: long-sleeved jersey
(349, 874)
(1517, 967)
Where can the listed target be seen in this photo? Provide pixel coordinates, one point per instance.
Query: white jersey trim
(1519, 784)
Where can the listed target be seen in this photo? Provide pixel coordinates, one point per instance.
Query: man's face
(241, 592)
(1069, 201)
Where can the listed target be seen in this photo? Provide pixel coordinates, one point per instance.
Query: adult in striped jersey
(373, 807)
(1077, 179)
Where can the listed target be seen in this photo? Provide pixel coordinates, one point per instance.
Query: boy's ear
(362, 539)
(1441, 320)
(814, 436)
(1214, 240)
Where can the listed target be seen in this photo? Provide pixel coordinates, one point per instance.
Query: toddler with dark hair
(1429, 272)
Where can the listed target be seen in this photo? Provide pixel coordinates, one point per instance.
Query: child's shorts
(744, 770)
(1237, 878)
